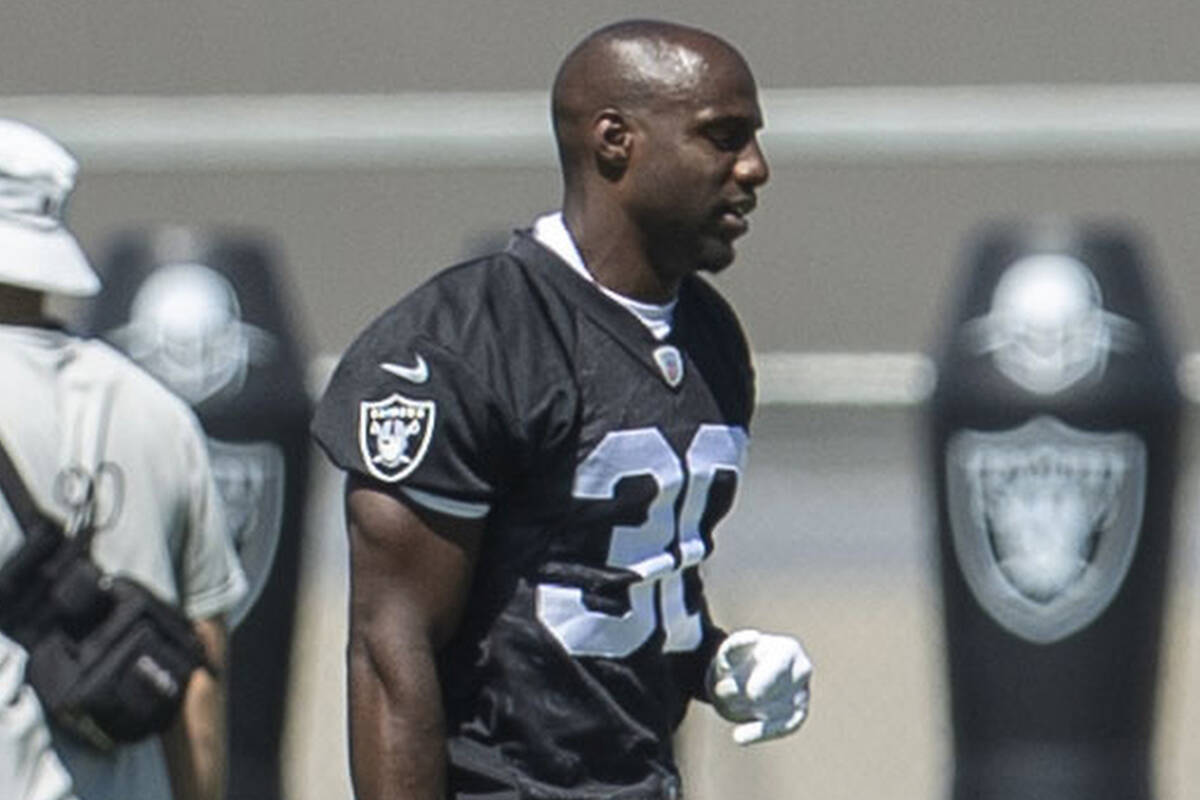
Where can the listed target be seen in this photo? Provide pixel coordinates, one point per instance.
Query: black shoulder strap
(29, 515)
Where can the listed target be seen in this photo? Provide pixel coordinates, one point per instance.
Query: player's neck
(21, 306)
(615, 253)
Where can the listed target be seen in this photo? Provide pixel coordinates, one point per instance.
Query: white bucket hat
(36, 249)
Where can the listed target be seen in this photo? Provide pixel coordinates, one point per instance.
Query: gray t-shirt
(161, 519)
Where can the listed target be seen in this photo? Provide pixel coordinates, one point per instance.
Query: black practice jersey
(602, 458)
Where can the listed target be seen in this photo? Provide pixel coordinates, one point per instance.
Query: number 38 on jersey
(656, 599)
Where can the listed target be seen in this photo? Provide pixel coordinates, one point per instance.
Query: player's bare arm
(410, 576)
(195, 745)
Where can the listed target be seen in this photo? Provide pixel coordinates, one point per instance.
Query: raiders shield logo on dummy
(393, 435)
(250, 478)
(1045, 520)
(1053, 451)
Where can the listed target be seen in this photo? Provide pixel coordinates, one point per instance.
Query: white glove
(761, 681)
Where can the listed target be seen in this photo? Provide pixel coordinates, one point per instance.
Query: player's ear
(611, 142)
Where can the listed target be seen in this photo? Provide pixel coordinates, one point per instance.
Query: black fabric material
(108, 659)
(16, 494)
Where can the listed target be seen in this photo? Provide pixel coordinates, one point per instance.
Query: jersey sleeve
(409, 414)
(211, 580)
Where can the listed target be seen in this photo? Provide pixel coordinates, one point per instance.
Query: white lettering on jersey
(645, 549)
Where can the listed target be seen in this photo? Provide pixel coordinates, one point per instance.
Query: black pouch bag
(108, 659)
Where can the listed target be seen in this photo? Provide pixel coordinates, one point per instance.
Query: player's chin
(716, 254)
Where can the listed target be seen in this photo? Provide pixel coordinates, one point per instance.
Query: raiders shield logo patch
(1045, 520)
(250, 477)
(393, 435)
(670, 363)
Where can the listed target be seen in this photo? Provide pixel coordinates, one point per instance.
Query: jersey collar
(586, 296)
(550, 231)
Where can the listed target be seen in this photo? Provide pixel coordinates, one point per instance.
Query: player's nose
(751, 169)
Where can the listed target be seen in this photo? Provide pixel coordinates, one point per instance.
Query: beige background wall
(845, 255)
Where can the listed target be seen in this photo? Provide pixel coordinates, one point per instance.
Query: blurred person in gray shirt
(73, 402)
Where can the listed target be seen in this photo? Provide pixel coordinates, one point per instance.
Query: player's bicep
(410, 572)
(409, 414)
(409, 580)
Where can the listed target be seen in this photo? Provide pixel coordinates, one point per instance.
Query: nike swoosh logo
(419, 373)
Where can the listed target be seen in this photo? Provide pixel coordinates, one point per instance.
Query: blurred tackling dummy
(1054, 427)
(206, 312)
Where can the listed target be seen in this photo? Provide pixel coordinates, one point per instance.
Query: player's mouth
(732, 219)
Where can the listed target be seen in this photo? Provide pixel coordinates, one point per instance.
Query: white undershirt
(552, 232)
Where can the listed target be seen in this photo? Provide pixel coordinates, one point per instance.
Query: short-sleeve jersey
(160, 520)
(511, 387)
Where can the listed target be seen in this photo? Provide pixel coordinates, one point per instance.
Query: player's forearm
(195, 745)
(397, 732)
